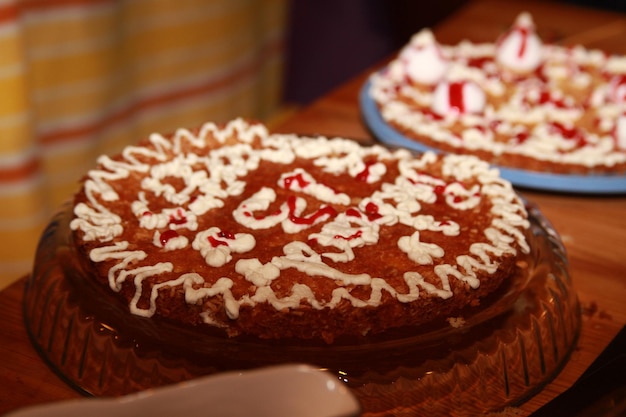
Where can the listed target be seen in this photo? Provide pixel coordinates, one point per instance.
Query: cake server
(285, 390)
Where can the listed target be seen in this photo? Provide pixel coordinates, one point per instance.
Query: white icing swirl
(418, 251)
(188, 186)
(217, 247)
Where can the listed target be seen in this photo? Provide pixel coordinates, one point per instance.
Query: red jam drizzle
(521, 137)
(546, 97)
(326, 210)
(522, 48)
(167, 235)
(440, 191)
(178, 218)
(572, 133)
(371, 211)
(431, 114)
(353, 212)
(455, 96)
(353, 236)
(295, 178)
(261, 216)
(364, 175)
(216, 242)
(478, 62)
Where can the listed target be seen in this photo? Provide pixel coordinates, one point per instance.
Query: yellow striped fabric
(79, 78)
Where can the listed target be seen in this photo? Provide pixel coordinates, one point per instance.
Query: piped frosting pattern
(512, 101)
(240, 209)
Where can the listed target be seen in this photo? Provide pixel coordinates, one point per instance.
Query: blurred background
(79, 78)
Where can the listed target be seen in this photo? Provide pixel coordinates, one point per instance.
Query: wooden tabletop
(593, 228)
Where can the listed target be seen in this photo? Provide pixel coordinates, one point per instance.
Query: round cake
(230, 229)
(517, 102)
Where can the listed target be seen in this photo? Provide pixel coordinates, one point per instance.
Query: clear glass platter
(499, 357)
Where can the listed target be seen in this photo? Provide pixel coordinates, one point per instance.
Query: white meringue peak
(520, 49)
(424, 60)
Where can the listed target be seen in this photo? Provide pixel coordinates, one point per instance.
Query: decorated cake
(517, 102)
(234, 230)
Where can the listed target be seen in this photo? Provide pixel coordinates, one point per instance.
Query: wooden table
(593, 228)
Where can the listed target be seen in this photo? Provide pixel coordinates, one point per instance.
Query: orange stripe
(53, 4)
(73, 134)
(11, 12)
(68, 135)
(8, 13)
(25, 170)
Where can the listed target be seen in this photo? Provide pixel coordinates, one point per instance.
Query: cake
(517, 102)
(420, 280)
(236, 231)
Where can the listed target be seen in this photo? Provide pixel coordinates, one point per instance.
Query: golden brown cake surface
(517, 102)
(284, 237)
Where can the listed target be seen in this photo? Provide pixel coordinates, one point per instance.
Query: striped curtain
(79, 78)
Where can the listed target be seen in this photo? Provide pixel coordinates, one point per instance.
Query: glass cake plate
(493, 358)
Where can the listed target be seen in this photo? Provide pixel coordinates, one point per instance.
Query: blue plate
(588, 184)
